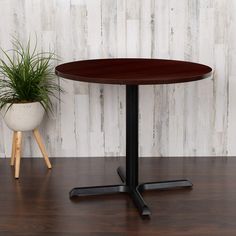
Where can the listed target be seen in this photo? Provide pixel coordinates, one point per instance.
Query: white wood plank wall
(195, 119)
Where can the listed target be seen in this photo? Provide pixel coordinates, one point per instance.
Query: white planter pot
(23, 116)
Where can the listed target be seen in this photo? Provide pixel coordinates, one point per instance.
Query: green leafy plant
(27, 76)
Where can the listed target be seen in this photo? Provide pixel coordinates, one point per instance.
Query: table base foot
(121, 173)
(97, 190)
(140, 203)
(164, 185)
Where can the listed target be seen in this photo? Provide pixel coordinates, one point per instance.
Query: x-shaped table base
(134, 193)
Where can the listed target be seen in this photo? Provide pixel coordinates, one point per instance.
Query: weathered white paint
(184, 119)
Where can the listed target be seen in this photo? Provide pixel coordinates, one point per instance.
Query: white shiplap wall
(192, 119)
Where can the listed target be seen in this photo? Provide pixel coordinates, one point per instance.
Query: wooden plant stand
(16, 150)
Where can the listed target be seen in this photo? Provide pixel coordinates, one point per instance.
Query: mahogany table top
(133, 71)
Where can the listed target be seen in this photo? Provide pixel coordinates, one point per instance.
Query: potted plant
(27, 85)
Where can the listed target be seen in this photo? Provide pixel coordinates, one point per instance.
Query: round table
(132, 72)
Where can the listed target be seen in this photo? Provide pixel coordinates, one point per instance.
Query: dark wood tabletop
(133, 71)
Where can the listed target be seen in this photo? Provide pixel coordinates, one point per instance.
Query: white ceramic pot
(23, 116)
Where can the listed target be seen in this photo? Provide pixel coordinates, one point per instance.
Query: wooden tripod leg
(42, 148)
(18, 141)
(13, 151)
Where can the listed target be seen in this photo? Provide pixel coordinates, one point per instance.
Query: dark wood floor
(38, 204)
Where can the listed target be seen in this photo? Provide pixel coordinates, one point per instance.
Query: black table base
(130, 177)
(135, 193)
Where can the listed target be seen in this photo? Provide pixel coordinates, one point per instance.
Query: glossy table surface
(133, 71)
